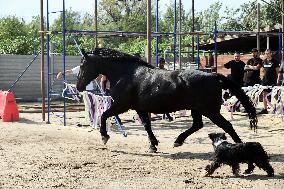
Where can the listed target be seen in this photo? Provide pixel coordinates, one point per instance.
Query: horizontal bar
(121, 33)
(251, 32)
(157, 34)
(54, 12)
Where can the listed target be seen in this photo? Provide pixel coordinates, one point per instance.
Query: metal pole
(282, 42)
(42, 60)
(215, 46)
(198, 52)
(157, 30)
(63, 53)
(267, 42)
(258, 27)
(282, 17)
(175, 32)
(96, 23)
(148, 31)
(192, 30)
(179, 37)
(48, 62)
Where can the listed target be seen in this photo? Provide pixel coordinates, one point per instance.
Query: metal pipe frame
(175, 32)
(48, 63)
(157, 30)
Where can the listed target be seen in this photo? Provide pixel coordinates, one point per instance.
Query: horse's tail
(244, 99)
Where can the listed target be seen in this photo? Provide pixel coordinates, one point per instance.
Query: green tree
(232, 20)
(72, 21)
(14, 36)
(12, 26)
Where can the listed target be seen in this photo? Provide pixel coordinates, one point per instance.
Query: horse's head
(87, 72)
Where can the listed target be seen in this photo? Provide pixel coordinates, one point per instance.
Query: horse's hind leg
(221, 122)
(196, 125)
(144, 116)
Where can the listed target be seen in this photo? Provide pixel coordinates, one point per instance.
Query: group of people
(256, 71)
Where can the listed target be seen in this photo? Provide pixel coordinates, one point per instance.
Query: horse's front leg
(112, 111)
(144, 116)
(103, 131)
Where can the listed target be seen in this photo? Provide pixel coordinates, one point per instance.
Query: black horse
(137, 85)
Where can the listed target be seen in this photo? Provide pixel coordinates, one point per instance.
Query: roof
(243, 41)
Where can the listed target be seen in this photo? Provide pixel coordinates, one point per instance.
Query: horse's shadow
(174, 156)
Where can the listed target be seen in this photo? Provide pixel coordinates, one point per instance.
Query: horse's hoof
(177, 144)
(105, 139)
(154, 142)
(153, 149)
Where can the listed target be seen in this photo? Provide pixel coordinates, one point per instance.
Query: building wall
(222, 59)
(28, 87)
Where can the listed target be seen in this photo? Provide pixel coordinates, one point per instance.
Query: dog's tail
(244, 99)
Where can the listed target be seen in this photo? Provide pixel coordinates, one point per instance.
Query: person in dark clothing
(237, 69)
(252, 69)
(271, 75)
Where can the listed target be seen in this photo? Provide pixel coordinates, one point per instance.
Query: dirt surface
(38, 155)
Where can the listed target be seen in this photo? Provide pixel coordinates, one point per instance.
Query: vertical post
(157, 30)
(179, 36)
(175, 32)
(192, 30)
(258, 27)
(267, 42)
(215, 47)
(96, 23)
(282, 42)
(198, 52)
(63, 53)
(42, 60)
(148, 31)
(282, 36)
(48, 62)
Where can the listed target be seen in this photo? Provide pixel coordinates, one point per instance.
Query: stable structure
(149, 34)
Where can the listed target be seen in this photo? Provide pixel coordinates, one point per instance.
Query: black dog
(233, 154)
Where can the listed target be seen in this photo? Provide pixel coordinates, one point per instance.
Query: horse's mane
(117, 56)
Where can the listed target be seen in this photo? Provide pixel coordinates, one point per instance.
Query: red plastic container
(9, 111)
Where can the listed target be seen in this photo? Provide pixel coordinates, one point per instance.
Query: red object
(8, 107)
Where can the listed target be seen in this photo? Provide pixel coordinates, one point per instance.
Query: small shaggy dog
(233, 154)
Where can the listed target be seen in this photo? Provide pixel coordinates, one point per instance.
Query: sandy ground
(38, 155)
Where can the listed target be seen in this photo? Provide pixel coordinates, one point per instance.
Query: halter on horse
(137, 85)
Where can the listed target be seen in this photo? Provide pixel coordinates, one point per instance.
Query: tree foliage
(19, 37)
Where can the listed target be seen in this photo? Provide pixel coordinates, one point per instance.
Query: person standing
(252, 69)
(237, 69)
(75, 71)
(271, 76)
